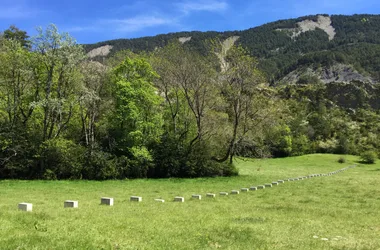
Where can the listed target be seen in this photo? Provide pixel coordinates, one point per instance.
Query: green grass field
(343, 208)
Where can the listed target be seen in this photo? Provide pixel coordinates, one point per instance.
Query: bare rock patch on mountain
(101, 51)
(323, 23)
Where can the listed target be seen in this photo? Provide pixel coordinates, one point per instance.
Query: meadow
(333, 212)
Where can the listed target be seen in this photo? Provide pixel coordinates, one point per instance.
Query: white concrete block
(281, 181)
(253, 188)
(290, 179)
(234, 192)
(261, 187)
(210, 195)
(223, 193)
(275, 183)
(27, 207)
(196, 197)
(160, 200)
(245, 189)
(106, 201)
(267, 185)
(179, 199)
(136, 198)
(70, 203)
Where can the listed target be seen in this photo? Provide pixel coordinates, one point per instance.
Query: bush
(101, 166)
(341, 160)
(61, 159)
(368, 157)
(300, 145)
(172, 159)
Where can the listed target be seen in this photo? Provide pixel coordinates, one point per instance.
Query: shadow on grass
(364, 163)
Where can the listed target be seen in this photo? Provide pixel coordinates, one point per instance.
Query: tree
(91, 99)
(240, 86)
(14, 33)
(136, 120)
(16, 94)
(56, 70)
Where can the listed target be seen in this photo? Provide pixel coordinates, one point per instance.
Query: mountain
(318, 47)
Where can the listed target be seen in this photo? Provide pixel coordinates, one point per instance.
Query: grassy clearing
(343, 208)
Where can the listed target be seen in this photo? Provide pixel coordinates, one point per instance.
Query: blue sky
(94, 21)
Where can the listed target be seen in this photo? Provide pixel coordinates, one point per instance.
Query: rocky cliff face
(336, 73)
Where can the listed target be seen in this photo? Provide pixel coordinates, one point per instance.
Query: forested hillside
(187, 104)
(356, 42)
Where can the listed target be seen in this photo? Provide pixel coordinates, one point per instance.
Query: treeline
(171, 112)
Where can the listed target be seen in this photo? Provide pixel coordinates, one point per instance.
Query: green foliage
(300, 145)
(14, 33)
(137, 118)
(342, 159)
(308, 79)
(100, 165)
(281, 141)
(368, 157)
(61, 159)
(183, 110)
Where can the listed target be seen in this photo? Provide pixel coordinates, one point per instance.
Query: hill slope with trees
(187, 107)
(356, 42)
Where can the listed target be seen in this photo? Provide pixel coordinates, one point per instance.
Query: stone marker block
(253, 188)
(27, 207)
(261, 187)
(179, 199)
(245, 189)
(290, 179)
(210, 195)
(106, 201)
(234, 192)
(70, 204)
(274, 183)
(136, 198)
(160, 200)
(268, 185)
(196, 197)
(281, 181)
(223, 193)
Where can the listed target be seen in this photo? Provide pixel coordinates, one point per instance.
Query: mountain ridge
(282, 47)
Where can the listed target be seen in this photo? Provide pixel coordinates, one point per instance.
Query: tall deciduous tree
(241, 85)
(58, 56)
(137, 119)
(15, 94)
(91, 99)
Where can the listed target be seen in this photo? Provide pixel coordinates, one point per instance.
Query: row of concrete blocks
(319, 175)
(28, 207)
(110, 201)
